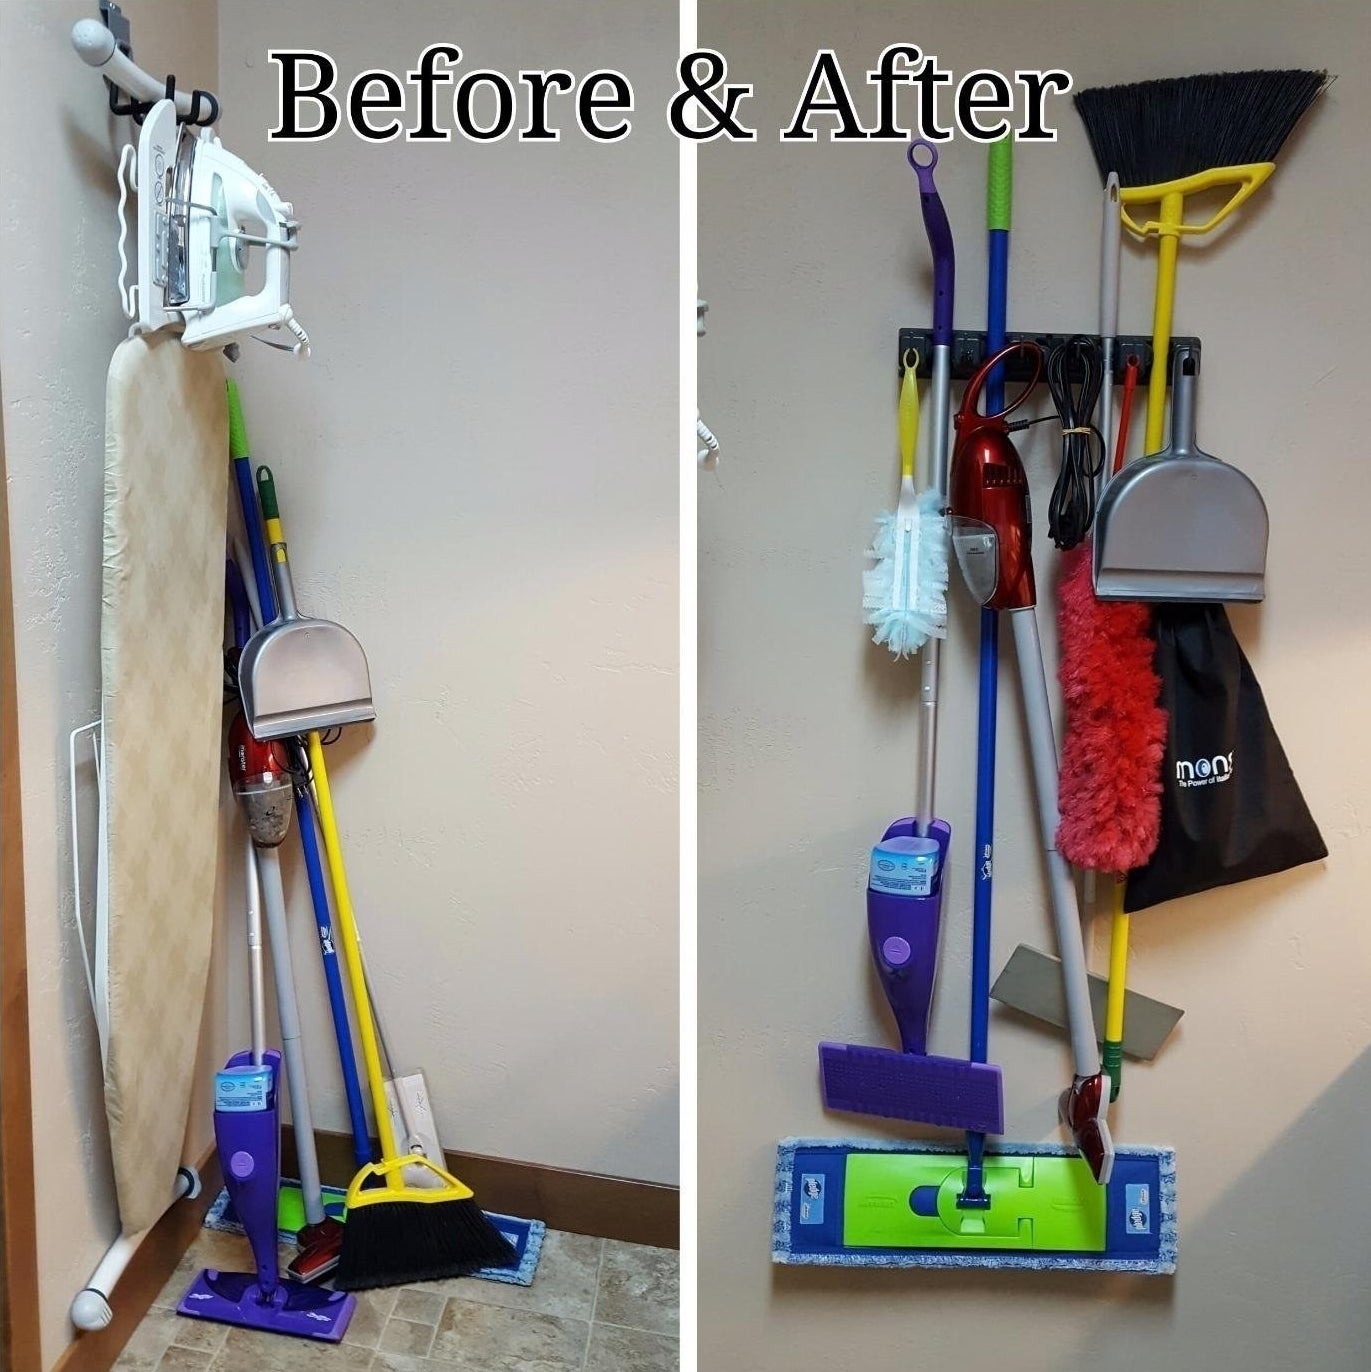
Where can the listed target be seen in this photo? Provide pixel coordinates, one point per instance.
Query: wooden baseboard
(579, 1202)
(153, 1263)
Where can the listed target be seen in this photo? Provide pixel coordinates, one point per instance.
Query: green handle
(1113, 1064)
(999, 188)
(238, 430)
(266, 493)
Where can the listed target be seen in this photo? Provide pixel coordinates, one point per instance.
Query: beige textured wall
(477, 472)
(59, 322)
(810, 258)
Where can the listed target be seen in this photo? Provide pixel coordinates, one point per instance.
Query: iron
(207, 226)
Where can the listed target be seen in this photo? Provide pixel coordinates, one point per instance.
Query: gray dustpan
(297, 674)
(1181, 525)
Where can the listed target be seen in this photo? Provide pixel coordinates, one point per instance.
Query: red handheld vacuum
(992, 528)
(989, 496)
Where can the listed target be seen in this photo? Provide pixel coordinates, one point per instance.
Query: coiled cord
(1072, 508)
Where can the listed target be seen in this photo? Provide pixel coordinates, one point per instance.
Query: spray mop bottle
(903, 903)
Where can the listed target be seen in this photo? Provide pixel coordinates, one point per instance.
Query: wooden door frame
(19, 1324)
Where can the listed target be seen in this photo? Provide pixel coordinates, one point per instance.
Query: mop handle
(268, 862)
(930, 656)
(999, 192)
(999, 195)
(256, 987)
(982, 890)
(236, 590)
(999, 188)
(1111, 249)
(247, 500)
(271, 518)
(1065, 914)
(333, 977)
(922, 158)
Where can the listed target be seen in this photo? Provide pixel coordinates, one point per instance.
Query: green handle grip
(266, 493)
(238, 430)
(1113, 1064)
(999, 186)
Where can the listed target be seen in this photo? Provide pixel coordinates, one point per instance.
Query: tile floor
(596, 1305)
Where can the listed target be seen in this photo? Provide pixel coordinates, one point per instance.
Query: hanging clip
(132, 91)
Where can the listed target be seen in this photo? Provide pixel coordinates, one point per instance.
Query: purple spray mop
(910, 1084)
(903, 924)
(247, 1132)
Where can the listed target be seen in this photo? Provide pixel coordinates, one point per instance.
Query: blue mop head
(904, 596)
(1127, 1226)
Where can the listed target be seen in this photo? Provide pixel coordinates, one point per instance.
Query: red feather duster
(1115, 734)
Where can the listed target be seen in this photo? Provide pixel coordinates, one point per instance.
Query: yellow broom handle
(347, 923)
(352, 953)
(1118, 985)
(1172, 213)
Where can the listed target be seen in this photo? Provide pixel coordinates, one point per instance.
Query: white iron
(202, 212)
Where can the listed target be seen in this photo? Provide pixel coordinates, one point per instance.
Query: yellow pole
(1171, 214)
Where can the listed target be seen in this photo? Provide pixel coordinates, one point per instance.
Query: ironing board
(161, 663)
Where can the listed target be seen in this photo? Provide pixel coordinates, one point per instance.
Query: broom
(1174, 138)
(1167, 140)
(395, 1233)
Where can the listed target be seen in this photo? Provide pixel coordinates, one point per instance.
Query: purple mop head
(912, 1086)
(306, 1312)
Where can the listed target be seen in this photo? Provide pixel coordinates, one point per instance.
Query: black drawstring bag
(1231, 807)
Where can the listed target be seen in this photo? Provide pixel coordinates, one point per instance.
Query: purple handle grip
(939, 233)
(249, 1145)
(904, 943)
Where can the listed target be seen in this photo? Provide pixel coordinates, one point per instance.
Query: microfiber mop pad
(869, 1203)
(1115, 735)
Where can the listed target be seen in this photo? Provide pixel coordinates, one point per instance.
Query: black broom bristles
(1157, 131)
(394, 1243)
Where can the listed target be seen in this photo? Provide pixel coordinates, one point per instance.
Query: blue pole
(997, 296)
(257, 545)
(996, 314)
(347, 1059)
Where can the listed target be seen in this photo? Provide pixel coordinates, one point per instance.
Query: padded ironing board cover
(161, 664)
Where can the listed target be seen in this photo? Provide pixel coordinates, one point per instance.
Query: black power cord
(1071, 510)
